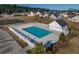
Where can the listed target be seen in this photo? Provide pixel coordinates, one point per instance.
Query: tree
(39, 48)
(62, 37)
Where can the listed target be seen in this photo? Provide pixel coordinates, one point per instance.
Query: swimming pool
(36, 31)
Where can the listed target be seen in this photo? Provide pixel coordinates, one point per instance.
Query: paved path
(8, 45)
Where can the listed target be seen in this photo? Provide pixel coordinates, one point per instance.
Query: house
(31, 14)
(38, 14)
(52, 16)
(60, 17)
(71, 15)
(45, 14)
(19, 14)
(65, 15)
(6, 15)
(25, 13)
(59, 25)
(56, 15)
(13, 14)
(28, 14)
(74, 19)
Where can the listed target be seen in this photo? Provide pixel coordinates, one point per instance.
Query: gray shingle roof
(61, 22)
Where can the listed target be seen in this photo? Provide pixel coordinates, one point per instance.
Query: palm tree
(39, 48)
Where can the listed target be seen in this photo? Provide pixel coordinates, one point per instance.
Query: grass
(7, 22)
(73, 41)
(32, 19)
(42, 20)
(17, 39)
(73, 47)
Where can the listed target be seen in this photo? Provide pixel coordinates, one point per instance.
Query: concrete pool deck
(54, 37)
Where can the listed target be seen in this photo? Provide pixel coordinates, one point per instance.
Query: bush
(39, 48)
(62, 37)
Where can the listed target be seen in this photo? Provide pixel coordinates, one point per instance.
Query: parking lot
(8, 45)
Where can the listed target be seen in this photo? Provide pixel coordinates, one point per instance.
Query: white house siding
(69, 19)
(28, 14)
(65, 15)
(32, 14)
(60, 17)
(52, 17)
(65, 30)
(45, 15)
(23, 38)
(55, 26)
(39, 14)
(75, 19)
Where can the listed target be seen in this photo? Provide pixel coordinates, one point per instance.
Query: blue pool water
(36, 31)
